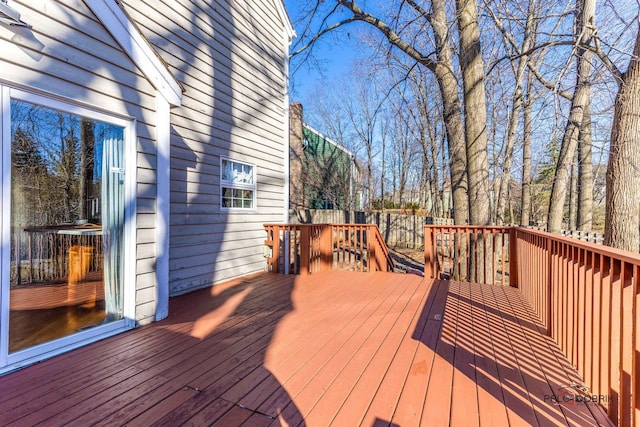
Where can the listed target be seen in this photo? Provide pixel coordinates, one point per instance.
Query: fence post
(513, 257)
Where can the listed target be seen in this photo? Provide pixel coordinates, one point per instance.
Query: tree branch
(393, 38)
(321, 33)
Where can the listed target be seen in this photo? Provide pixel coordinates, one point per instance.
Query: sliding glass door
(66, 223)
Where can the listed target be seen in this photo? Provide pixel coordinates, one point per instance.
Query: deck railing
(310, 248)
(463, 252)
(585, 295)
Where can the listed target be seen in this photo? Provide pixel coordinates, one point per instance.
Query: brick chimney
(296, 145)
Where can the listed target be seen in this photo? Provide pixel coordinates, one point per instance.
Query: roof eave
(138, 49)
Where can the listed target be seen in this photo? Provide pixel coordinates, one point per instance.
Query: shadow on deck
(335, 347)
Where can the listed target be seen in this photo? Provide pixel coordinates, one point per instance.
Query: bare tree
(443, 68)
(584, 220)
(585, 27)
(519, 66)
(525, 216)
(623, 170)
(475, 111)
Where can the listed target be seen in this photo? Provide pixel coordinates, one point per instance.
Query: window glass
(237, 182)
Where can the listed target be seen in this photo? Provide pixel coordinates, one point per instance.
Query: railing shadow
(492, 352)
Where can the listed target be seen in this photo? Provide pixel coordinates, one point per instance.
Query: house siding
(232, 65)
(76, 59)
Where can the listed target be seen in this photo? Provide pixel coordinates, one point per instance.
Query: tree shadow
(224, 335)
(201, 365)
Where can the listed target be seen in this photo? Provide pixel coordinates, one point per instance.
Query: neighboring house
(324, 175)
(144, 144)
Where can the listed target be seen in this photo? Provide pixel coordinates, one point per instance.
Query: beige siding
(80, 62)
(230, 58)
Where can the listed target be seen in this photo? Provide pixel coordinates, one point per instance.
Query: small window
(237, 184)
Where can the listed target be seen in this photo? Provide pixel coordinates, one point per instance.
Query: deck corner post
(513, 257)
(428, 255)
(305, 250)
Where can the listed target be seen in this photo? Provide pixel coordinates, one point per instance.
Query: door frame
(42, 351)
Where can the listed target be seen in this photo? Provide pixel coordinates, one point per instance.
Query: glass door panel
(67, 224)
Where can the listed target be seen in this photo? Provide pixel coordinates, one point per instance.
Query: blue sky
(335, 59)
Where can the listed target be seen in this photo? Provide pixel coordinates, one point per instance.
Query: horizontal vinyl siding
(229, 57)
(81, 62)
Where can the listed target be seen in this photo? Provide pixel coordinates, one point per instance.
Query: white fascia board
(138, 49)
(291, 33)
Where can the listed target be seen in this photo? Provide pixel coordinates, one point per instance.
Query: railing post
(275, 255)
(326, 247)
(373, 253)
(305, 249)
(428, 255)
(549, 285)
(381, 259)
(513, 257)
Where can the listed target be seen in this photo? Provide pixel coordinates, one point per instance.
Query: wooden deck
(334, 348)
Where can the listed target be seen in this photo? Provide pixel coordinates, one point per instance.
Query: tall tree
(475, 111)
(444, 70)
(585, 26)
(519, 66)
(623, 170)
(584, 220)
(525, 216)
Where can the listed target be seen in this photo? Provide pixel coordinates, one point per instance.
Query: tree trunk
(585, 174)
(581, 98)
(87, 144)
(475, 112)
(475, 115)
(452, 114)
(526, 158)
(623, 170)
(573, 197)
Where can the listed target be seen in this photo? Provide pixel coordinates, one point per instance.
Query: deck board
(334, 348)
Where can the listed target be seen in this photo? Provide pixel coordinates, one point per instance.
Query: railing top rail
(472, 227)
(622, 255)
(292, 225)
(626, 256)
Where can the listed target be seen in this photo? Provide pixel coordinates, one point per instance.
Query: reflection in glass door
(67, 224)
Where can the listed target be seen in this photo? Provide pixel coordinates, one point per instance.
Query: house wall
(327, 172)
(322, 173)
(230, 58)
(68, 54)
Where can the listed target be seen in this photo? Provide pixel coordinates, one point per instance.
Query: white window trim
(228, 184)
(43, 351)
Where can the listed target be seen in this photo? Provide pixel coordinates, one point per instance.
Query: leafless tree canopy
(498, 103)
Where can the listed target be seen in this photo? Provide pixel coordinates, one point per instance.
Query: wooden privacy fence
(310, 248)
(585, 295)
